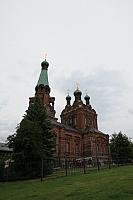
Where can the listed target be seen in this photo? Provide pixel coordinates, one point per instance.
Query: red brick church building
(77, 136)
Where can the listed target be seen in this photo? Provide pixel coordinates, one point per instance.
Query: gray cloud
(130, 111)
(109, 94)
(92, 45)
(3, 103)
(105, 87)
(7, 127)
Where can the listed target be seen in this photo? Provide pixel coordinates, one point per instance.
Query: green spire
(43, 78)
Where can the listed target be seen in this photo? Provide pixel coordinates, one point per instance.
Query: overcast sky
(87, 41)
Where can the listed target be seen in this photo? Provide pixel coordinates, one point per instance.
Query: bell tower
(42, 90)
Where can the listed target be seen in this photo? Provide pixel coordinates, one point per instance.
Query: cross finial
(86, 91)
(68, 92)
(45, 56)
(77, 85)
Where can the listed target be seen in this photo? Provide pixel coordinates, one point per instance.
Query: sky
(89, 42)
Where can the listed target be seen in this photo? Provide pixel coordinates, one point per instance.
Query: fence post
(118, 161)
(109, 164)
(66, 165)
(98, 166)
(42, 166)
(66, 156)
(109, 156)
(84, 165)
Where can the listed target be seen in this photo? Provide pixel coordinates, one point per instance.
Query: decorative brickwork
(77, 135)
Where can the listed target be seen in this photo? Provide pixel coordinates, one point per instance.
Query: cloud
(82, 48)
(109, 92)
(105, 87)
(7, 127)
(3, 103)
(130, 111)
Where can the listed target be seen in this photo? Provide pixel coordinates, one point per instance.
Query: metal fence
(69, 166)
(59, 167)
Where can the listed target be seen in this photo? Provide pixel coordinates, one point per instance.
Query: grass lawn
(113, 184)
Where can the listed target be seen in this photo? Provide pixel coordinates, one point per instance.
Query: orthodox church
(77, 136)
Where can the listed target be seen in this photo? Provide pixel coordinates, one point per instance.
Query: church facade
(77, 135)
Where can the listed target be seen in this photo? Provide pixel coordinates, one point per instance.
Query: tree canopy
(33, 140)
(121, 148)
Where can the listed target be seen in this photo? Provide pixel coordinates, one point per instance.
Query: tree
(33, 141)
(121, 148)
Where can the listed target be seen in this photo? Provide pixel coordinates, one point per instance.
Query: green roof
(43, 79)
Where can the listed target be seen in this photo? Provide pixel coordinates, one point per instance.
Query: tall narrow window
(67, 146)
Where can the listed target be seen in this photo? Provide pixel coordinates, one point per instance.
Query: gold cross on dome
(77, 84)
(86, 92)
(68, 91)
(45, 56)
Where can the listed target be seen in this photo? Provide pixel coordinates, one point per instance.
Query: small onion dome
(45, 64)
(68, 97)
(77, 92)
(87, 97)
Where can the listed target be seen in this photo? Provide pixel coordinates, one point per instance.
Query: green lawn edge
(108, 184)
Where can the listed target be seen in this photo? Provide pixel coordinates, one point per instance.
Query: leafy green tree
(121, 148)
(33, 141)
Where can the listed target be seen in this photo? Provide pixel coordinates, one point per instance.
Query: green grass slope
(113, 184)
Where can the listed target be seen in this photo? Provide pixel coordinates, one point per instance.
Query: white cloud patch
(92, 45)
(130, 111)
